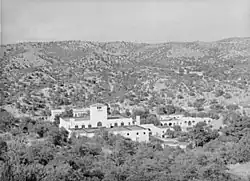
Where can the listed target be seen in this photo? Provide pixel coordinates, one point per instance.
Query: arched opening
(99, 124)
(115, 125)
(83, 126)
(76, 127)
(122, 123)
(170, 124)
(129, 123)
(165, 124)
(89, 126)
(189, 123)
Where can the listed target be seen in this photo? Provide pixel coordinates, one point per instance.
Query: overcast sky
(124, 20)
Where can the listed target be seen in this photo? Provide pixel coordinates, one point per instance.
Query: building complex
(88, 123)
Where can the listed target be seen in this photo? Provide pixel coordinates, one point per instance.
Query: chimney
(138, 121)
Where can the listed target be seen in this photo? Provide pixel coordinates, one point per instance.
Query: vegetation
(198, 79)
(37, 150)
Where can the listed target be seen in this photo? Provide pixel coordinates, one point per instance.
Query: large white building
(84, 124)
(157, 131)
(97, 117)
(188, 122)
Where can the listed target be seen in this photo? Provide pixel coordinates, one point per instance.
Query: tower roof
(97, 105)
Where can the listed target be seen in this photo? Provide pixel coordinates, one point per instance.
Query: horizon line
(120, 41)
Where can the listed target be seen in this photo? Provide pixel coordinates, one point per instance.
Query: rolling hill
(38, 76)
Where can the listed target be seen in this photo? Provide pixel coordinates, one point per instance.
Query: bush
(227, 96)
(218, 93)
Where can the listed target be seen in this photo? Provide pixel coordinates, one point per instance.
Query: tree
(3, 150)
(151, 119)
(67, 113)
(177, 128)
(7, 121)
(58, 136)
(241, 151)
(202, 134)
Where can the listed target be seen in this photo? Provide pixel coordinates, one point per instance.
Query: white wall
(185, 122)
(98, 113)
(142, 136)
(105, 123)
(156, 131)
(111, 122)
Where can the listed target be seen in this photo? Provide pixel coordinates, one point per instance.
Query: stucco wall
(135, 135)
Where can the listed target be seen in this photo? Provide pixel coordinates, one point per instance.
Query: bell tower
(98, 112)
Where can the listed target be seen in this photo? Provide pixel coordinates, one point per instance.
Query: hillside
(36, 77)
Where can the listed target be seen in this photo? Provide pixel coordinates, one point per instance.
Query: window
(76, 126)
(162, 131)
(115, 124)
(127, 134)
(170, 124)
(122, 124)
(144, 132)
(99, 107)
(83, 126)
(129, 123)
(137, 133)
(189, 123)
(193, 121)
(89, 126)
(99, 124)
(185, 122)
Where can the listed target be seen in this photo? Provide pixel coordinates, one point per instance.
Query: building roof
(57, 110)
(116, 117)
(117, 129)
(85, 118)
(164, 126)
(97, 105)
(80, 110)
(86, 130)
(135, 127)
(127, 128)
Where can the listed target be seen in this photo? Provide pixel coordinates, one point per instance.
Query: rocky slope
(38, 76)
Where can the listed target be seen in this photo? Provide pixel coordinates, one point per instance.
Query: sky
(150, 21)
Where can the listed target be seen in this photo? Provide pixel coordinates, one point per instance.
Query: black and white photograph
(125, 90)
